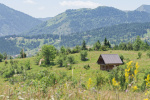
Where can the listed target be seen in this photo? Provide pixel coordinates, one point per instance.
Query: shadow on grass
(48, 65)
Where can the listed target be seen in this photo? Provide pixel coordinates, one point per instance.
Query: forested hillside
(15, 22)
(81, 20)
(115, 34)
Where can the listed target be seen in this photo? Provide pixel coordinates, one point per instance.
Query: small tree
(97, 46)
(148, 54)
(1, 57)
(4, 55)
(83, 55)
(71, 59)
(61, 59)
(121, 57)
(63, 50)
(22, 54)
(139, 55)
(84, 45)
(49, 53)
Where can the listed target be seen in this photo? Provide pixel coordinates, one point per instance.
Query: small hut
(109, 61)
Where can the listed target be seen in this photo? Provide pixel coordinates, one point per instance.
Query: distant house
(109, 61)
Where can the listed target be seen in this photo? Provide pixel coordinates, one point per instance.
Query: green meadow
(77, 83)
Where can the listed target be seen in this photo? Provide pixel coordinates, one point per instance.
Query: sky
(51, 8)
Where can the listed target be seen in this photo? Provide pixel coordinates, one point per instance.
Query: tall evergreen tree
(84, 45)
(97, 45)
(137, 43)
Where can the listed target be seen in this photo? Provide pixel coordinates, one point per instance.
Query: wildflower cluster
(131, 72)
(89, 83)
(148, 86)
(115, 84)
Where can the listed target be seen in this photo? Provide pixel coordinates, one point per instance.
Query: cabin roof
(110, 59)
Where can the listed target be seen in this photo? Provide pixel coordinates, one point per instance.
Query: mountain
(45, 19)
(115, 34)
(15, 22)
(81, 20)
(145, 8)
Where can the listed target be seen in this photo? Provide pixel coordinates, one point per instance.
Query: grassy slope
(83, 75)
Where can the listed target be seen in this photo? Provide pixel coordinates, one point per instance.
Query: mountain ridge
(15, 22)
(80, 20)
(144, 8)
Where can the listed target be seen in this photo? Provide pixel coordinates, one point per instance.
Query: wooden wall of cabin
(107, 67)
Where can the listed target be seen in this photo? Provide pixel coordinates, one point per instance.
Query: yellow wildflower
(89, 83)
(129, 63)
(147, 80)
(135, 72)
(115, 83)
(135, 88)
(146, 99)
(137, 66)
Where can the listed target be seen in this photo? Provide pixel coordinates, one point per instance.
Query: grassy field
(74, 83)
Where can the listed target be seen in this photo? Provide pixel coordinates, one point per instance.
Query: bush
(87, 67)
(27, 65)
(121, 57)
(69, 67)
(61, 60)
(71, 59)
(148, 54)
(139, 55)
(83, 55)
(8, 73)
(100, 80)
(1, 57)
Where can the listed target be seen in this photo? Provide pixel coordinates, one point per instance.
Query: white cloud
(41, 8)
(83, 4)
(29, 1)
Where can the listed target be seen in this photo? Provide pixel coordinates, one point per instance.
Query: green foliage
(83, 45)
(100, 80)
(97, 46)
(148, 54)
(71, 59)
(61, 60)
(4, 55)
(63, 50)
(22, 53)
(8, 73)
(103, 48)
(49, 53)
(139, 55)
(76, 49)
(119, 74)
(69, 66)
(137, 43)
(27, 65)
(121, 57)
(83, 55)
(1, 57)
(106, 43)
(87, 67)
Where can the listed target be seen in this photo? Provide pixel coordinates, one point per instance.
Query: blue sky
(50, 8)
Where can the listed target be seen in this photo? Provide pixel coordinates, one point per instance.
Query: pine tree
(84, 45)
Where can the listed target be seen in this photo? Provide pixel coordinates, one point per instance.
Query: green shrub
(27, 65)
(121, 57)
(8, 73)
(87, 67)
(148, 54)
(100, 80)
(139, 55)
(71, 59)
(83, 55)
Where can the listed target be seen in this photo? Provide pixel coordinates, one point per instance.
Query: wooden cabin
(109, 61)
